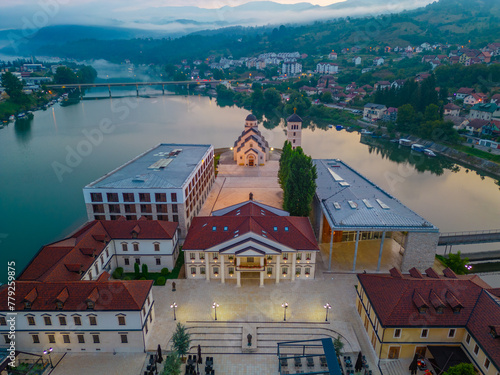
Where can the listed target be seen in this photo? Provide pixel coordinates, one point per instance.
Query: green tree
(218, 74)
(461, 369)
(137, 270)
(338, 345)
(300, 184)
(457, 263)
(406, 117)
(326, 97)
(87, 74)
(172, 364)
(145, 272)
(181, 340)
(65, 75)
(14, 88)
(284, 161)
(272, 98)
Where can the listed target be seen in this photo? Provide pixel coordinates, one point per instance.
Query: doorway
(394, 352)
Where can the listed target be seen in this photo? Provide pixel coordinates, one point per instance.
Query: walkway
(465, 238)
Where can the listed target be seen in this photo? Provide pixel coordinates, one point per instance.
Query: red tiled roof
(299, 236)
(126, 295)
(65, 259)
(398, 309)
(486, 313)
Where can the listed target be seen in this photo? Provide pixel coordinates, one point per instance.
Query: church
(251, 148)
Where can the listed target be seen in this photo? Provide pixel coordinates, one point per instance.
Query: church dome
(251, 117)
(294, 118)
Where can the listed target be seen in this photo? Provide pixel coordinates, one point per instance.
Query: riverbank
(473, 161)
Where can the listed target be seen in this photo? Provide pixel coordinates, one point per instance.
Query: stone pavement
(99, 363)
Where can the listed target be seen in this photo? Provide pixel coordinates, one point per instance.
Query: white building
(251, 148)
(294, 131)
(291, 68)
(356, 60)
(169, 182)
(249, 240)
(327, 68)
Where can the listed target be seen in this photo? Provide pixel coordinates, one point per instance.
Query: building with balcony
(169, 182)
(250, 240)
(447, 319)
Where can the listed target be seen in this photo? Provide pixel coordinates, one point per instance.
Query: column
(238, 273)
(331, 248)
(278, 258)
(294, 260)
(380, 251)
(262, 272)
(222, 271)
(207, 271)
(355, 252)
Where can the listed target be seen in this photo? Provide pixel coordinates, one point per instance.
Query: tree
(145, 272)
(326, 97)
(137, 270)
(338, 345)
(181, 340)
(406, 117)
(218, 74)
(272, 98)
(461, 369)
(457, 263)
(65, 75)
(172, 364)
(284, 160)
(300, 184)
(14, 88)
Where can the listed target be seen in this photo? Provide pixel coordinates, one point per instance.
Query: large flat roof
(163, 166)
(350, 201)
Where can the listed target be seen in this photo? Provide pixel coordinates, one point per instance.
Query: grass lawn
(479, 153)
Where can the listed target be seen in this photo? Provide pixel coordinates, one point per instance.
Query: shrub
(145, 272)
(164, 271)
(142, 278)
(117, 275)
(119, 270)
(137, 270)
(161, 281)
(127, 278)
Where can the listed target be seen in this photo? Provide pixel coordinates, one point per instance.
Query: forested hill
(446, 21)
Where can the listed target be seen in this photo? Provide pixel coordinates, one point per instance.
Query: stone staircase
(392, 367)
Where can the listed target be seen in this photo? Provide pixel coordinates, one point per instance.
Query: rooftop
(164, 166)
(350, 201)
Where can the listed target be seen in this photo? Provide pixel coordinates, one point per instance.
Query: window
(476, 349)
(467, 339)
(192, 256)
(307, 271)
(202, 256)
(193, 271)
(299, 256)
(486, 363)
(136, 246)
(81, 339)
(138, 260)
(275, 229)
(160, 197)
(6, 338)
(62, 320)
(31, 320)
(158, 261)
(146, 208)
(96, 267)
(114, 208)
(397, 333)
(52, 339)
(451, 333)
(3, 321)
(308, 256)
(144, 197)
(173, 197)
(215, 256)
(124, 247)
(130, 208)
(96, 339)
(96, 197)
(47, 320)
(128, 197)
(231, 270)
(284, 270)
(285, 256)
(124, 339)
(98, 208)
(250, 259)
(174, 208)
(214, 229)
(202, 271)
(66, 339)
(36, 339)
(93, 320)
(112, 197)
(269, 270)
(126, 261)
(225, 229)
(286, 229)
(424, 333)
(162, 208)
(216, 270)
(121, 320)
(77, 320)
(175, 218)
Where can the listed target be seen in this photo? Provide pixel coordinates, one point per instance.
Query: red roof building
(423, 311)
(250, 237)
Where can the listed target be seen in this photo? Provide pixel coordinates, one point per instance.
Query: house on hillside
(451, 109)
(374, 112)
(380, 85)
(378, 61)
(459, 122)
(463, 92)
(475, 98)
(479, 127)
(356, 60)
(484, 111)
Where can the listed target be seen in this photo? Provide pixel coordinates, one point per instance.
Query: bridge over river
(472, 237)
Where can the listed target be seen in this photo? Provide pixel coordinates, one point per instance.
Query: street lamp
(173, 306)
(327, 307)
(285, 306)
(214, 306)
(48, 351)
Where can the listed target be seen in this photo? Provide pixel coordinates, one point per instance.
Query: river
(41, 196)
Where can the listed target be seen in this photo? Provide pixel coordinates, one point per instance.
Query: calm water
(39, 206)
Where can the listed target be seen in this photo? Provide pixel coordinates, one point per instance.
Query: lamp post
(327, 307)
(214, 306)
(285, 306)
(48, 351)
(173, 306)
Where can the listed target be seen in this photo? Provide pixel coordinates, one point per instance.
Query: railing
(449, 234)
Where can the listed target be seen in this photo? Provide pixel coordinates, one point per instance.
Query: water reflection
(22, 128)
